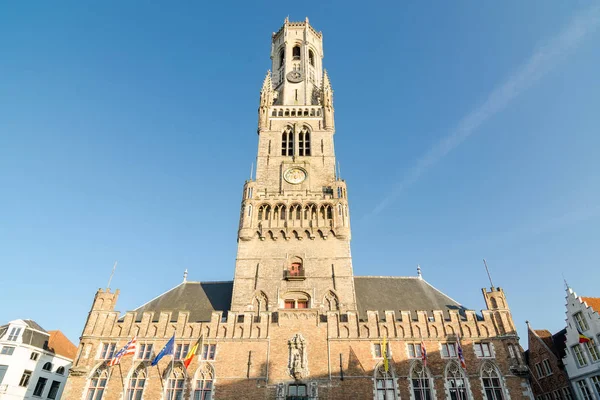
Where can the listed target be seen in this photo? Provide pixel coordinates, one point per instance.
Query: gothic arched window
(492, 382)
(281, 58)
(97, 384)
(311, 58)
(287, 142)
(331, 302)
(384, 384)
(260, 303)
(457, 384)
(420, 382)
(136, 384)
(175, 384)
(204, 383)
(304, 142)
(296, 52)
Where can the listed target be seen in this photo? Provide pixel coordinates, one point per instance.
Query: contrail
(534, 68)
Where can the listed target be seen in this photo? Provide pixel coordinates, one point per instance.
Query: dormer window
(296, 53)
(311, 58)
(14, 334)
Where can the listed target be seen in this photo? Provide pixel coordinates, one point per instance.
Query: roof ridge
(442, 293)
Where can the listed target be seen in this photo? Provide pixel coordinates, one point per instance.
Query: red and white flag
(423, 353)
(129, 349)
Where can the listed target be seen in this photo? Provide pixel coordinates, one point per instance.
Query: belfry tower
(294, 232)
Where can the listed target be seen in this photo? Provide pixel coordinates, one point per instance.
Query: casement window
(586, 394)
(297, 391)
(14, 334)
(181, 351)
(581, 322)
(204, 386)
(592, 350)
(53, 390)
(25, 378)
(492, 383)
(97, 384)
(175, 384)
(556, 395)
(145, 351)
(596, 382)
(39, 387)
(287, 142)
(448, 350)
(7, 350)
(538, 370)
(579, 356)
(47, 366)
(378, 350)
(457, 384)
(107, 351)
(34, 356)
(208, 351)
(482, 350)
(414, 350)
(135, 388)
(547, 368)
(385, 387)
(566, 392)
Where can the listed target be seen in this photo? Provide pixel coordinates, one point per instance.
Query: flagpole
(122, 383)
(160, 378)
(173, 362)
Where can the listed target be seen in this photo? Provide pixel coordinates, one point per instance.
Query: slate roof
(200, 299)
(373, 293)
(381, 293)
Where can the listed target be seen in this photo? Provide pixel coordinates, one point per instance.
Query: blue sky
(464, 130)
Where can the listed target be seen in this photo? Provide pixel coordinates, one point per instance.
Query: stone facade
(298, 324)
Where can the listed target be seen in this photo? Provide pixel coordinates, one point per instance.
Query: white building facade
(31, 363)
(582, 360)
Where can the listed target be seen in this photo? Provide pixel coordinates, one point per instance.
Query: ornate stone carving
(298, 362)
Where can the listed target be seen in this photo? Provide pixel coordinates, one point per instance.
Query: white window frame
(579, 356)
(480, 350)
(14, 334)
(547, 367)
(584, 390)
(411, 350)
(448, 350)
(538, 370)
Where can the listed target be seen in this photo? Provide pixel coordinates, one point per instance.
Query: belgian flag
(582, 337)
(192, 353)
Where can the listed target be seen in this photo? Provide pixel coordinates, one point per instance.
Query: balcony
(294, 275)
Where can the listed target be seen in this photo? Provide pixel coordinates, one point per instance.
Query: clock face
(295, 76)
(294, 175)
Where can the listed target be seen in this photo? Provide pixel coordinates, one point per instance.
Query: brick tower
(294, 235)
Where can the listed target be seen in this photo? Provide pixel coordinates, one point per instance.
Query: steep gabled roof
(381, 293)
(555, 343)
(200, 299)
(59, 344)
(593, 302)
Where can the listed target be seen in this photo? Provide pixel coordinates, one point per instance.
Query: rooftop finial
(419, 271)
(565, 280)
(111, 276)
(185, 274)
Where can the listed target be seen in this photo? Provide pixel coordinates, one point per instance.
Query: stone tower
(294, 232)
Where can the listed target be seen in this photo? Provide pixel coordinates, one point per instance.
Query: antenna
(111, 275)
(488, 273)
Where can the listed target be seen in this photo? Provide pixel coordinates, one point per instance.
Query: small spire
(306, 20)
(419, 275)
(185, 274)
(566, 284)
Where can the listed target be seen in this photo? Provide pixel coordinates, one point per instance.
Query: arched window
(311, 58)
(457, 384)
(420, 382)
(97, 384)
(329, 213)
(260, 303)
(296, 52)
(304, 142)
(281, 211)
(60, 370)
(295, 269)
(281, 57)
(384, 384)
(204, 383)
(175, 384)
(47, 366)
(492, 382)
(287, 142)
(135, 387)
(331, 302)
(296, 300)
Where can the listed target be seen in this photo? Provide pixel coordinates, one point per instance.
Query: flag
(461, 357)
(192, 353)
(128, 350)
(582, 337)
(168, 349)
(423, 353)
(386, 364)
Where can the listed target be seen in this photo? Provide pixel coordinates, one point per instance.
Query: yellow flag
(386, 365)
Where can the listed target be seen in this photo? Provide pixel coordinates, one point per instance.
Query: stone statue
(298, 357)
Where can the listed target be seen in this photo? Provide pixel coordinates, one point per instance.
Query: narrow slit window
(296, 53)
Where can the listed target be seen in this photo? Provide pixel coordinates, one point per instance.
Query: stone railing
(296, 111)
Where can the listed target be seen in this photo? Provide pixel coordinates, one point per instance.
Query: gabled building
(34, 363)
(582, 358)
(544, 356)
(295, 323)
